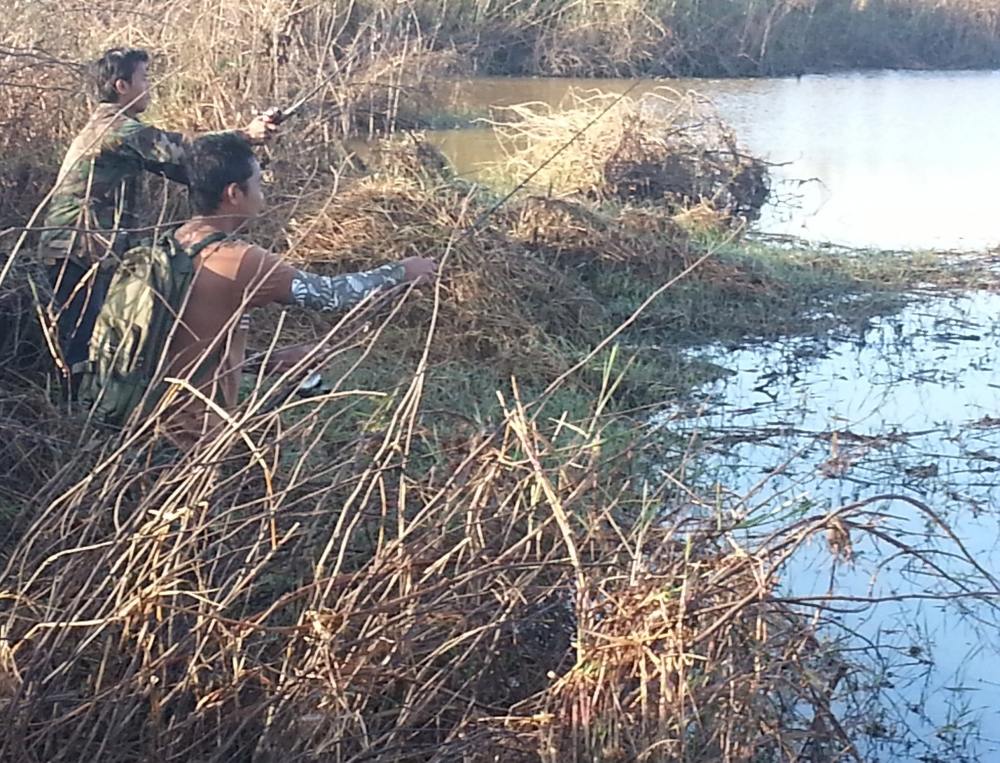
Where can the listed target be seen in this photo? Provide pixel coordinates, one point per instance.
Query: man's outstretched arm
(274, 281)
(271, 280)
(162, 151)
(330, 293)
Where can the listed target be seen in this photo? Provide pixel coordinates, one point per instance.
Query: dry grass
(515, 295)
(516, 595)
(301, 589)
(319, 582)
(574, 234)
(356, 578)
(734, 37)
(665, 147)
(502, 305)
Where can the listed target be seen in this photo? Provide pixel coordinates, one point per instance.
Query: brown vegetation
(666, 147)
(383, 573)
(513, 595)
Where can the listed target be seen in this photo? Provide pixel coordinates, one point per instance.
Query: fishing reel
(312, 386)
(275, 115)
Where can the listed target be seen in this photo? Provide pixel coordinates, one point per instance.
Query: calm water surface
(893, 159)
(915, 402)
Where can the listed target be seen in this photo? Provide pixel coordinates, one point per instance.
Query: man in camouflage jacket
(92, 213)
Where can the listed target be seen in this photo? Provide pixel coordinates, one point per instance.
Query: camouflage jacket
(95, 200)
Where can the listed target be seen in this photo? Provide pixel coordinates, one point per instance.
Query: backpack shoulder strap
(212, 238)
(174, 247)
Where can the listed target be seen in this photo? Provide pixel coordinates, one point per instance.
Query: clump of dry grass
(495, 597)
(649, 244)
(22, 336)
(666, 147)
(38, 439)
(689, 686)
(37, 98)
(523, 288)
(574, 233)
(501, 303)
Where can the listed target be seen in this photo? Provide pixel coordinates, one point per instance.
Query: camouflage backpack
(146, 295)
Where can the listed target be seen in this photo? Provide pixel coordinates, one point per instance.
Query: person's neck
(128, 109)
(221, 222)
(117, 106)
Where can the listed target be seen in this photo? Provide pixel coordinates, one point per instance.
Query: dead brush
(23, 340)
(503, 303)
(516, 595)
(690, 683)
(38, 96)
(642, 239)
(605, 39)
(665, 147)
(37, 435)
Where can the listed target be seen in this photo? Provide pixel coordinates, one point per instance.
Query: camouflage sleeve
(161, 152)
(327, 293)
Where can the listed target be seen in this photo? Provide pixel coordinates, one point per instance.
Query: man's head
(224, 177)
(121, 75)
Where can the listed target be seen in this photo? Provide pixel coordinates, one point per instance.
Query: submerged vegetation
(476, 544)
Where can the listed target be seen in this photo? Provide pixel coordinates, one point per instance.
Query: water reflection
(897, 159)
(910, 407)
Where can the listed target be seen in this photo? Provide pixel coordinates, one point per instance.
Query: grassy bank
(471, 547)
(461, 552)
(723, 38)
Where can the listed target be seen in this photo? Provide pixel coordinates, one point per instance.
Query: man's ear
(232, 193)
(122, 86)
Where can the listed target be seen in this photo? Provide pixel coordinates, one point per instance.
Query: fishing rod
(276, 115)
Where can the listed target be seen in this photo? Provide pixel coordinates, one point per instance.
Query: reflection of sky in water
(926, 375)
(905, 160)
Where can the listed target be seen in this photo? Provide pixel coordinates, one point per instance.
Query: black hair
(213, 162)
(116, 64)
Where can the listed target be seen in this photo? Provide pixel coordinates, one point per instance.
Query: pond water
(909, 407)
(893, 160)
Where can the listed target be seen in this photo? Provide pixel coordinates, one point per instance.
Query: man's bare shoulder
(191, 234)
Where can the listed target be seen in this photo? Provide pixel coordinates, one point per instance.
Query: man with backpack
(92, 211)
(228, 276)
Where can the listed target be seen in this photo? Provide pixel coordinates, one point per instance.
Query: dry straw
(354, 578)
(665, 146)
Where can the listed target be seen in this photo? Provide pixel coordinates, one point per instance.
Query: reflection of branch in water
(897, 581)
